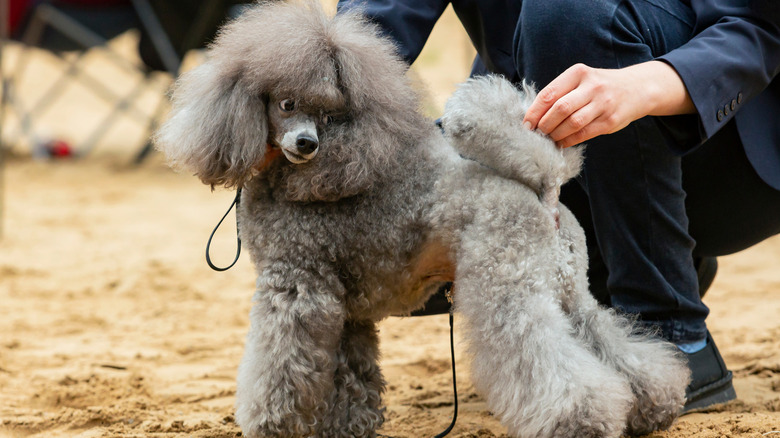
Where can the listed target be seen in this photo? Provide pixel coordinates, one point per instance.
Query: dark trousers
(647, 211)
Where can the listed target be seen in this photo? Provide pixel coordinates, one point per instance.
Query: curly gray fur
(387, 211)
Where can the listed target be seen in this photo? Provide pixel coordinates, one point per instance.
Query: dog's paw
(586, 401)
(265, 421)
(596, 415)
(659, 398)
(658, 377)
(647, 416)
(596, 406)
(354, 423)
(266, 428)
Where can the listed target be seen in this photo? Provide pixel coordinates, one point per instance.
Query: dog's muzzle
(306, 144)
(301, 144)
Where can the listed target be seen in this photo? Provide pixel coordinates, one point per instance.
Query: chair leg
(160, 40)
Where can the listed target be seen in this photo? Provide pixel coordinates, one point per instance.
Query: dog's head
(294, 128)
(316, 103)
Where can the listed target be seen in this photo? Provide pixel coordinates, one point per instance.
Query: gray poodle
(356, 207)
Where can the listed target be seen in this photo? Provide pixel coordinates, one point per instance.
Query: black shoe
(710, 379)
(706, 268)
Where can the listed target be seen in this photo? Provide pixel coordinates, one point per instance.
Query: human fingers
(605, 123)
(549, 95)
(569, 114)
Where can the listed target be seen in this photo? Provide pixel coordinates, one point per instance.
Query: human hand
(585, 102)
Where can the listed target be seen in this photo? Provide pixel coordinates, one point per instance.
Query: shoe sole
(715, 393)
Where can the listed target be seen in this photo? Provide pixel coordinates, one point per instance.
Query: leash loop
(236, 203)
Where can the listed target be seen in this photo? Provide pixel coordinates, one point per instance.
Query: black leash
(449, 428)
(454, 386)
(236, 203)
(454, 378)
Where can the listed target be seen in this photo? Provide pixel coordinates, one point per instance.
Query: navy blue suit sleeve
(733, 56)
(407, 22)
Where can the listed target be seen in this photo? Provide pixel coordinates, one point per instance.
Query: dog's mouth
(297, 158)
(274, 150)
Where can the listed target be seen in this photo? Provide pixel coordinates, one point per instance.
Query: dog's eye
(287, 105)
(326, 119)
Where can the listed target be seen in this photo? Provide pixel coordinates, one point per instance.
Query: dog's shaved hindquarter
(431, 268)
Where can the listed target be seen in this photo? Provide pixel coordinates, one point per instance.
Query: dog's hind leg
(536, 377)
(355, 406)
(286, 376)
(654, 368)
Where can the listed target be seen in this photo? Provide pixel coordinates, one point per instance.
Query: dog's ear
(218, 127)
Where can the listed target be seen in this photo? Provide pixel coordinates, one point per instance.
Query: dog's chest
(379, 247)
(394, 268)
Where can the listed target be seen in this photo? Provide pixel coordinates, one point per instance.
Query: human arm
(585, 102)
(732, 58)
(407, 22)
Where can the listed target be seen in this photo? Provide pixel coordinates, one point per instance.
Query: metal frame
(46, 15)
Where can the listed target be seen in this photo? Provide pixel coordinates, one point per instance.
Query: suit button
(739, 98)
(733, 104)
(726, 110)
(720, 115)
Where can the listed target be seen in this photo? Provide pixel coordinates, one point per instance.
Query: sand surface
(111, 323)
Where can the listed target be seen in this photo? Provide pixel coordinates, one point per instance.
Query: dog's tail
(484, 122)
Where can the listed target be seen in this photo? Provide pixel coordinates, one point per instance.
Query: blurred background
(111, 323)
(93, 75)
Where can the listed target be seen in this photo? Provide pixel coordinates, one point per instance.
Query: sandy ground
(111, 324)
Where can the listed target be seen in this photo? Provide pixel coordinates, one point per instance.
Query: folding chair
(190, 24)
(86, 24)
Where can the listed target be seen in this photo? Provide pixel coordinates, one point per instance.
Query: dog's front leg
(285, 379)
(355, 409)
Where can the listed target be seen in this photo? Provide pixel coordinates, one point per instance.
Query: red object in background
(59, 149)
(18, 9)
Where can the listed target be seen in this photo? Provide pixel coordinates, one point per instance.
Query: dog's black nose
(306, 144)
